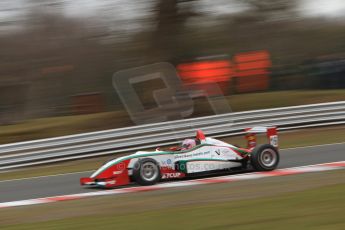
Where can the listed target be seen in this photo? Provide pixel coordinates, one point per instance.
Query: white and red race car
(207, 156)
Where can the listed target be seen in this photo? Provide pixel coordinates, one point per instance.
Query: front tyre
(146, 172)
(264, 158)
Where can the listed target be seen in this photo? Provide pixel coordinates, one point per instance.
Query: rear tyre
(146, 172)
(264, 158)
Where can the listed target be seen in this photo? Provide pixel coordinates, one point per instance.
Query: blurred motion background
(57, 57)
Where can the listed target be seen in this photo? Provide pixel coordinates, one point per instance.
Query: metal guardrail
(148, 136)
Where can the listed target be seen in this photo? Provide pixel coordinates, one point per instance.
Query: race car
(195, 156)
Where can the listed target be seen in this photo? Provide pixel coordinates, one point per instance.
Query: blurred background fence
(57, 57)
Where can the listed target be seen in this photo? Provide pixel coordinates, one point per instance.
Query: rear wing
(271, 133)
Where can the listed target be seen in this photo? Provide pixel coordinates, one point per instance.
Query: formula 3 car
(206, 156)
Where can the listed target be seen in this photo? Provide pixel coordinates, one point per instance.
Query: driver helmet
(188, 144)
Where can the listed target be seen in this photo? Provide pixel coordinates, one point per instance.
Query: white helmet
(188, 143)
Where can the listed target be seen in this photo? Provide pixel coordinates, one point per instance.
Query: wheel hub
(268, 157)
(149, 171)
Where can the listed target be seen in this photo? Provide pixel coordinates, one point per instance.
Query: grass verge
(59, 126)
(309, 201)
(299, 138)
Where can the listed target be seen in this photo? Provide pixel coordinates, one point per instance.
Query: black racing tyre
(146, 172)
(264, 158)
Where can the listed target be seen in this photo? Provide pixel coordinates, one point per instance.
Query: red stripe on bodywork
(239, 153)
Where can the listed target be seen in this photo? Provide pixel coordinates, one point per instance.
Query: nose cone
(87, 181)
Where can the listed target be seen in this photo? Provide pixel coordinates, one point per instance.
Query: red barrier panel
(248, 73)
(252, 71)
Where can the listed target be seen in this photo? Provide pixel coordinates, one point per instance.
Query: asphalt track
(13, 190)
